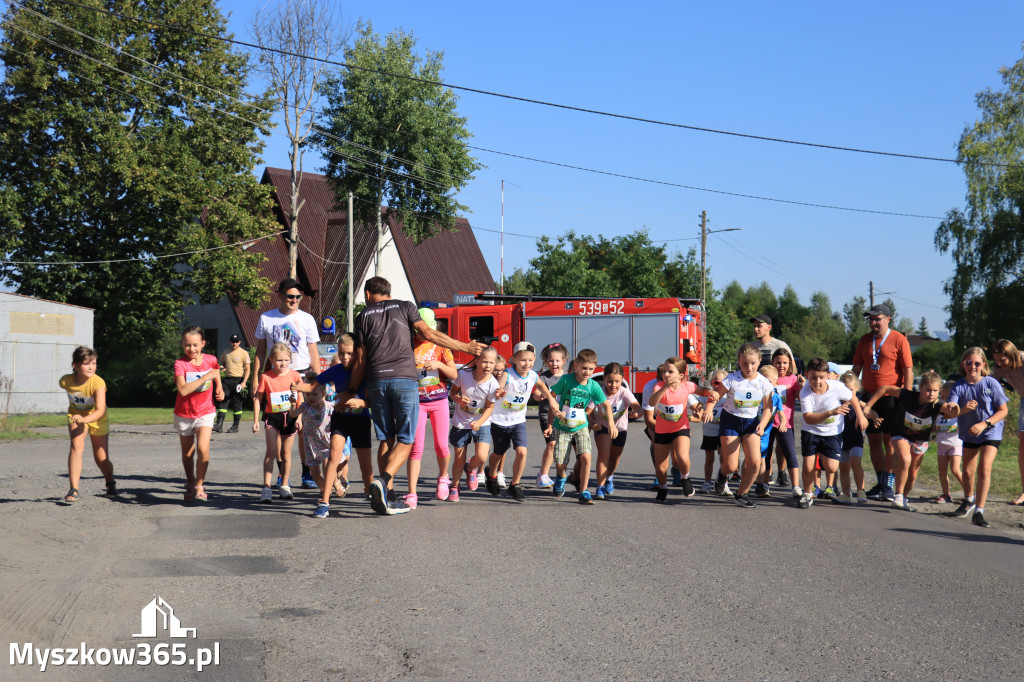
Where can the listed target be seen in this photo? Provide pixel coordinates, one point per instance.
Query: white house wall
(392, 270)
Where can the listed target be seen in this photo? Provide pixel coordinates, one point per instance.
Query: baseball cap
(234, 338)
(880, 309)
(523, 346)
(833, 367)
(761, 318)
(427, 315)
(289, 283)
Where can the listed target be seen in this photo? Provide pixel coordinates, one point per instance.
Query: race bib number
(192, 376)
(747, 399)
(716, 413)
(912, 423)
(617, 414)
(948, 426)
(280, 401)
(429, 378)
(515, 402)
(81, 402)
(671, 413)
(474, 407)
(575, 416)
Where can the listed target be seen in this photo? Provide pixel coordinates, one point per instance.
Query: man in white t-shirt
(295, 328)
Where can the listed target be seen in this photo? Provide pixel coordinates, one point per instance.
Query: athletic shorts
(100, 427)
(950, 449)
(460, 438)
(731, 425)
(710, 443)
(280, 422)
(504, 436)
(619, 440)
(563, 439)
(884, 408)
(852, 452)
(351, 427)
(830, 447)
(542, 419)
(667, 438)
(975, 446)
(186, 426)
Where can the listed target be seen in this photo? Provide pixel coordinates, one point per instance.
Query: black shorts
(885, 407)
(830, 447)
(976, 446)
(351, 427)
(280, 422)
(619, 440)
(667, 438)
(542, 419)
(710, 443)
(504, 436)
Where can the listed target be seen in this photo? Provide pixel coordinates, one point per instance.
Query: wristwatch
(988, 423)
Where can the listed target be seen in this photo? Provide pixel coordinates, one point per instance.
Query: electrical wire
(528, 100)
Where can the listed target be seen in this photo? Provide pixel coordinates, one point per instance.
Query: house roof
(437, 268)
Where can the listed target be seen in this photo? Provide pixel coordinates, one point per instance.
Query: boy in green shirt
(574, 392)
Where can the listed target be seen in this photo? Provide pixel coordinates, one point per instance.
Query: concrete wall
(37, 339)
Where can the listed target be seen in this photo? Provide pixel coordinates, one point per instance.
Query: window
(481, 329)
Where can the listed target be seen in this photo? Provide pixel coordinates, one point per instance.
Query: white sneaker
(544, 481)
(285, 492)
(862, 497)
(707, 487)
(267, 496)
(797, 492)
(501, 480)
(726, 492)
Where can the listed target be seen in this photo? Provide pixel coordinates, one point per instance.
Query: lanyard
(875, 350)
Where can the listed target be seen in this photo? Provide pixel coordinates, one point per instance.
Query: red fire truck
(638, 333)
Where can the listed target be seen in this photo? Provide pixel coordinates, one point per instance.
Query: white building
(37, 339)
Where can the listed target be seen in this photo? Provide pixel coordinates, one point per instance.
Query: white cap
(524, 345)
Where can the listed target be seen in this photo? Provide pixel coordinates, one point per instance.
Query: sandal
(200, 494)
(190, 493)
(72, 495)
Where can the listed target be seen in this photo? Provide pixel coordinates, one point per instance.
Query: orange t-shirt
(277, 390)
(893, 358)
(432, 384)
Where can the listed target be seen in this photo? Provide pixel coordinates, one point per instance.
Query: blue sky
(897, 77)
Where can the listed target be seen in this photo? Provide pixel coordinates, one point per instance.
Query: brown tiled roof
(323, 253)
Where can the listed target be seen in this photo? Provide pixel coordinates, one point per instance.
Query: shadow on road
(969, 537)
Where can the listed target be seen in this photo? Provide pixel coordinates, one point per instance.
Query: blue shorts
(460, 438)
(503, 436)
(731, 425)
(395, 408)
(830, 447)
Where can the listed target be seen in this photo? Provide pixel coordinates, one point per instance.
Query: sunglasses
(498, 371)
(293, 297)
(974, 364)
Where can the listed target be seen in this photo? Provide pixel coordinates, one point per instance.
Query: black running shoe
(516, 492)
(662, 495)
(743, 501)
(720, 484)
(963, 510)
(875, 491)
(491, 483)
(979, 520)
(687, 487)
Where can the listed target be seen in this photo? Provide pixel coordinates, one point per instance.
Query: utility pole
(871, 295)
(703, 254)
(351, 284)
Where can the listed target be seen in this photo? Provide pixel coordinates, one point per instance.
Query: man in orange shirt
(884, 358)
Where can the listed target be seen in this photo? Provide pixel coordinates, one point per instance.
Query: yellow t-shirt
(234, 362)
(82, 397)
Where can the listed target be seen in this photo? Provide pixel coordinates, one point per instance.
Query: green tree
(922, 326)
(564, 268)
(821, 333)
(986, 238)
(682, 275)
(391, 135)
(124, 141)
(520, 283)
(635, 265)
(942, 356)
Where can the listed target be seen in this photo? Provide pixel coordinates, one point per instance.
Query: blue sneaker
(308, 482)
(558, 489)
(609, 486)
(601, 492)
(278, 484)
(677, 478)
(585, 498)
(322, 510)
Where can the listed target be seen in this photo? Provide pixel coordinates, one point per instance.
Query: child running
(624, 408)
(87, 413)
(350, 428)
(474, 392)
(980, 403)
(436, 366)
(1010, 368)
(498, 466)
(822, 401)
(554, 356)
(950, 448)
(508, 422)
(672, 424)
(851, 459)
(194, 410)
(748, 395)
(277, 398)
(771, 374)
(710, 442)
(575, 392)
(783, 443)
(317, 414)
(910, 429)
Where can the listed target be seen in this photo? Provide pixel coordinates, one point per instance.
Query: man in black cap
(883, 355)
(764, 341)
(235, 361)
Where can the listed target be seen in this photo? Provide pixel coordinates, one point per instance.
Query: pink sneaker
(453, 496)
(410, 500)
(471, 479)
(442, 487)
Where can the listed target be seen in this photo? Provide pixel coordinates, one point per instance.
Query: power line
(528, 100)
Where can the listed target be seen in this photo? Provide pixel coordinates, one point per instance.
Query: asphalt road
(486, 588)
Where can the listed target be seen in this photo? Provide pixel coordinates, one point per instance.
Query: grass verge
(19, 426)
